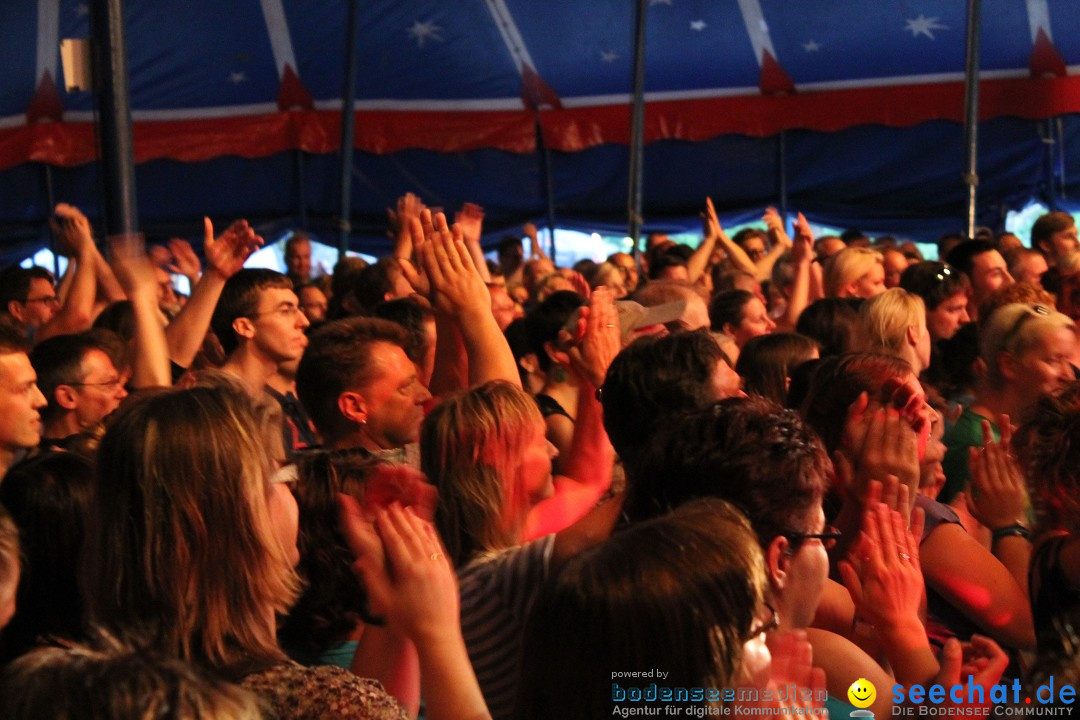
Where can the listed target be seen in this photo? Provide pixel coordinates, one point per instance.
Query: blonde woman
(894, 323)
(190, 545)
(855, 272)
(505, 519)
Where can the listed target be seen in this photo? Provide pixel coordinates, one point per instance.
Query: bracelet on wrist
(1014, 530)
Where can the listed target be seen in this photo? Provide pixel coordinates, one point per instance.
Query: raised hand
(73, 232)
(455, 285)
(803, 247)
(405, 570)
(599, 339)
(775, 225)
(184, 261)
(470, 218)
(227, 253)
(999, 496)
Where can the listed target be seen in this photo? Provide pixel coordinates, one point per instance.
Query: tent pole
(971, 114)
(549, 184)
(114, 116)
(637, 129)
(50, 203)
(781, 152)
(348, 118)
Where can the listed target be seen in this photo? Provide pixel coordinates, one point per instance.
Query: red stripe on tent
(318, 131)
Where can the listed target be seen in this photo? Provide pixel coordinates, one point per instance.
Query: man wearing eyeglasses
(80, 383)
(28, 297)
(261, 328)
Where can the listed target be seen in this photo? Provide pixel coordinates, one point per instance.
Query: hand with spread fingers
(183, 260)
(227, 253)
(598, 339)
(879, 441)
(455, 285)
(999, 495)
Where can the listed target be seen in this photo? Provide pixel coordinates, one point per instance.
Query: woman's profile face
(872, 283)
(1046, 366)
(755, 322)
(534, 470)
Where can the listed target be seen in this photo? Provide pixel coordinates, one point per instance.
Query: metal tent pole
(637, 129)
(971, 114)
(348, 118)
(114, 116)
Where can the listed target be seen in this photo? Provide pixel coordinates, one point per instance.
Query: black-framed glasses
(764, 626)
(108, 384)
(828, 538)
(49, 300)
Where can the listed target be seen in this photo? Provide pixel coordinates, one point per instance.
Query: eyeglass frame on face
(49, 300)
(828, 537)
(108, 384)
(761, 627)
(286, 310)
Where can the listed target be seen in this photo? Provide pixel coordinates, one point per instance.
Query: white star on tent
(698, 25)
(237, 77)
(82, 9)
(609, 57)
(422, 31)
(922, 25)
(811, 46)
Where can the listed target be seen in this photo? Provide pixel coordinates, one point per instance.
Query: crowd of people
(751, 473)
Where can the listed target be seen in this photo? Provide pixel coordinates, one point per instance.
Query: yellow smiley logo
(862, 693)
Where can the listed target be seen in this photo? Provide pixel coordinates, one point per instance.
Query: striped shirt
(497, 592)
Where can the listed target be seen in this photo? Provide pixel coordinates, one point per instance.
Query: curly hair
(1048, 447)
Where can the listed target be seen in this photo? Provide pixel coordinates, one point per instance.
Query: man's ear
(244, 327)
(65, 397)
(15, 310)
(353, 407)
(776, 562)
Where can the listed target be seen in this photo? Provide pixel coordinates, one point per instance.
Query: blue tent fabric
(237, 112)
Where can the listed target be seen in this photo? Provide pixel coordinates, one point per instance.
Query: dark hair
(346, 272)
(652, 378)
(765, 363)
(1048, 447)
(333, 596)
(696, 574)
(374, 282)
(410, 313)
(749, 451)
(958, 357)
(544, 322)
(338, 357)
(838, 382)
(727, 308)
(58, 361)
(240, 298)
(934, 282)
(15, 283)
(118, 317)
(1047, 225)
(12, 339)
(962, 257)
(509, 242)
(834, 324)
(48, 497)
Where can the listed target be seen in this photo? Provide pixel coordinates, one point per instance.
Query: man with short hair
(79, 381)
(20, 399)
(985, 268)
(259, 323)
(359, 386)
(298, 259)
(1055, 234)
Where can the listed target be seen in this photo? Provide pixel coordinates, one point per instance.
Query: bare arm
(738, 257)
(802, 252)
(460, 296)
(75, 313)
(535, 251)
(224, 258)
(589, 463)
(150, 355)
(781, 243)
(386, 656)
(471, 220)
